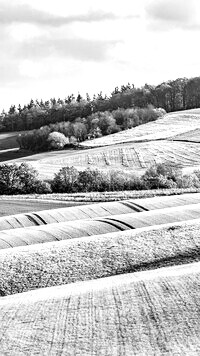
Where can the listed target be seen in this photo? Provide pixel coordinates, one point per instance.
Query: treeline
(23, 179)
(173, 95)
(62, 134)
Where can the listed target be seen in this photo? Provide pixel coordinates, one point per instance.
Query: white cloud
(31, 69)
(23, 32)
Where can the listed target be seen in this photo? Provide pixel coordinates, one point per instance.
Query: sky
(55, 48)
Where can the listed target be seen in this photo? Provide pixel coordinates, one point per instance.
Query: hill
(149, 254)
(144, 313)
(171, 139)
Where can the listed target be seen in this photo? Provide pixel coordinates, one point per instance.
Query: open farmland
(134, 157)
(72, 260)
(84, 212)
(172, 140)
(54, 297)
(145, 313)
(10, 207)
(148, 250)
(96, 226)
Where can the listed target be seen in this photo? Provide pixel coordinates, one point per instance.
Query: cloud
(77, 48)
(171, 13)
(13, 13)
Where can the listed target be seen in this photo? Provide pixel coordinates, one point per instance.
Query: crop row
(51, 264)
(95, 210)
(132, 156)
(74, 229)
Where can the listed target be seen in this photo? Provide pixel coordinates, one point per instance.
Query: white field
(131, 157)
(145, 313)
(69, 261)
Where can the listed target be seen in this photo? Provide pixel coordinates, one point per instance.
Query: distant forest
(173, 95)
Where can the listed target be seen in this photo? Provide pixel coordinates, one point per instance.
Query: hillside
(57, 214)
(170, 125)
(8, 140)
(172, 139)
(145, 313)
(54, 263)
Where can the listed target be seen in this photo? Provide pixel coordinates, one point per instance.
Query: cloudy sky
(54, 48)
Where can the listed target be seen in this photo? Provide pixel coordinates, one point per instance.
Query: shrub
(117, 180)
(9, 179)
(35, 141)
(188, 181)
(65, 181)
(57, 140)
(21, 179)
(161, 176)
(92, 180)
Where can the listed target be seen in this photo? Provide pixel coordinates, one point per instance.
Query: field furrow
(96, 226)
(95, 210)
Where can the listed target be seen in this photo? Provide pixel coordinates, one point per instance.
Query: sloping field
(138, 312)
(133, 157)
(16, 206)
(98, 226)
(146, 313)
(166, 127)
(89, 258)
(8, 140)
(129, 156)
(191, 136)
(73, 213)
(94, 210)
(142, 146)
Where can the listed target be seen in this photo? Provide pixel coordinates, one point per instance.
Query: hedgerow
(18, 179)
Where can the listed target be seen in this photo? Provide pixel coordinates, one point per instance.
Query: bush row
(23, 179)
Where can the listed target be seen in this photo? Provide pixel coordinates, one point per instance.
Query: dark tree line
(173, 95)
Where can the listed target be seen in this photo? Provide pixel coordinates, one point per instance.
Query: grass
(145, 313)
(13, 154)
(8, 140)
(10, 207)
(57, 214)
(90, 258)
(99, 196)
(191, 136)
